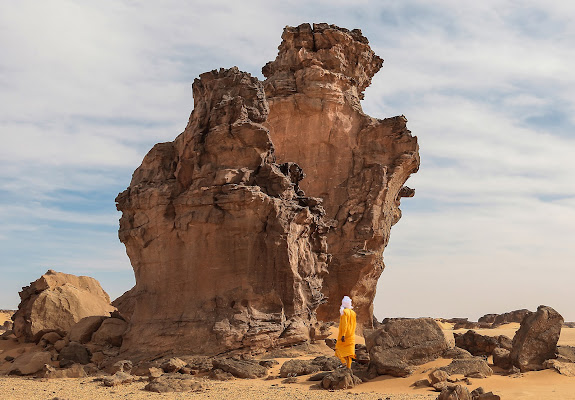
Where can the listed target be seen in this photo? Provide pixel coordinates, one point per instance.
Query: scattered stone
(174, 383)
(241, 368)
(502, 358)
(173, 365)
(120, 366)
(111, 332)
(75, 371)
(476, 344)
(298, 367)
(470, 367)
(9, 358)
(564, 368)
(291, 379)
(438, 375)
(399, 345)
(269, 363)
(220, 375)
(331, 343)
(456, 392)
(30, 363)
(536, 339)
(441, 386)
(83, 330)
(74, 353)
(119, 378)
(421, 383)
(341, 379)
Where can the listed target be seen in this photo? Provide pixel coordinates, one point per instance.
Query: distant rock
(399, 345)
(57, 301)
(536, 339)
(516, 316)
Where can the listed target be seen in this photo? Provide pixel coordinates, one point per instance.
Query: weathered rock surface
(472, 367)
(340, 379)
(83, 330)
(57, 301)
(110, 332)
(219, 216)
(564, 367)
(240, 368)
(457, 392)
(119, 378)
(212, 218)
(399, 345)
(502, 358)
(30, 363)
(357, 164)
(174, 383)
(75, 371)
(74, 352)
(475, 343)
(536, 339)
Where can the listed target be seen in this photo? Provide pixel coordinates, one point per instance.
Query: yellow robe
(347, 329)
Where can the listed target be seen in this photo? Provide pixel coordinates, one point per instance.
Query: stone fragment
(340, 379)
(437, 375)
(83, 330)
(502, 358)
(470, 367)
(55, 302)
(536, 339)
(174, 383)
(30, 363)
(457, 392)
(119, 378)
(173, 365)
(241, 368)
(111, 332)
(74, 353)
(475, 343)
(399, 345)
(121, 366)
(563, 367)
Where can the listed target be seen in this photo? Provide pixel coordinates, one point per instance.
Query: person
(345, 345)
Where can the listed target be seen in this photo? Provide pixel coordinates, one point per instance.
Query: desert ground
(540, 385)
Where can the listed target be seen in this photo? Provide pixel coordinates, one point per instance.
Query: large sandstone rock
(475, 343)
(30, 363)
(57, 301)
(228, 251)
(399, 345)
(536, 339)
(357, 164)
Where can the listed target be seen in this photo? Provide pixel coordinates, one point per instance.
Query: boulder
(502, 358)
(268, 363)
(220, 375)
(340, 379)
(472, 367)
(83, 330)
(30, 363)
(50, 338)
(399, 345)
(241, 368)
(476, 344)
(505, 342)
(74, 352)
(457, 392)
(173, 365)
(299, 367)
(55, 302)
(174, 383)
(437, 375)
(456, 353)
(536, 339)
(564, 367)
(111, 332)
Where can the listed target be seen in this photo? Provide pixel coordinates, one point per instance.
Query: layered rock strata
(227, 250)
(357, 164)
(55, 302)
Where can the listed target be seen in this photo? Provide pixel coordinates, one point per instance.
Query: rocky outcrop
(536, 339)
(505, 318)
(228, 251)
(55, 302)
(357, 164)
(399, 345)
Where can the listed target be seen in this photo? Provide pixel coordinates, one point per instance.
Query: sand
(540, 385)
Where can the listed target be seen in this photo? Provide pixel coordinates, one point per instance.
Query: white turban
(345, 303)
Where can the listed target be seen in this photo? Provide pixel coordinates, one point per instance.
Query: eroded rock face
(357, 164)
(227, 250)
(55, 302)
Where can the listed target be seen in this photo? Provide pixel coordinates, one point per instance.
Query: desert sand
(541, 385)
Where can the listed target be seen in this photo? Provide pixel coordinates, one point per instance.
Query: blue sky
(87, 88)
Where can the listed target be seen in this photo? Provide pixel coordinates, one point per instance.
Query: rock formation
(55, 302)
(357, 164)
(536, 340)
(228, 251)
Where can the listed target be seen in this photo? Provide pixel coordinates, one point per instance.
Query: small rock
(173, 365)
(291, 379)
(438, 375)
(179, 383)
(220, 375)
(119, 378)
(421, 383)
(456, 392)
(341, 379)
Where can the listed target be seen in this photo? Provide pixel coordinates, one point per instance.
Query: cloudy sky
(87, 88)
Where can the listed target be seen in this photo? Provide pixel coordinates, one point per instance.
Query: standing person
(345, 346)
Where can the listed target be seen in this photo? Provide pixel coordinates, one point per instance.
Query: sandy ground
(540, 385)
(5, 316)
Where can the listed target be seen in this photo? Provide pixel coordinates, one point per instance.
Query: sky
(87, 88)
